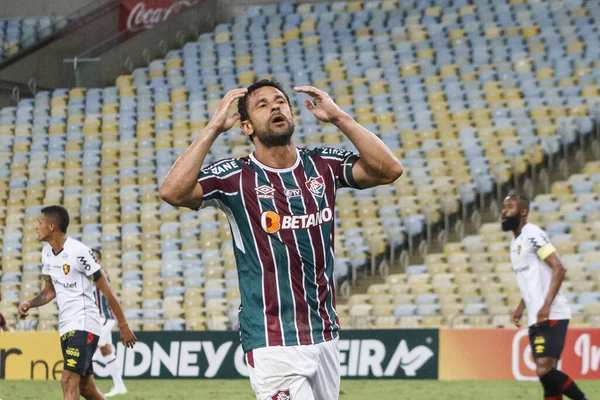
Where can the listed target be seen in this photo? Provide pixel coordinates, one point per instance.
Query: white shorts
(307, 372)
(106, 333)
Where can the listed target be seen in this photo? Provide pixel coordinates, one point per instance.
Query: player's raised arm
(377, 164)
(44, 297)
(127, 336)
(181, 187)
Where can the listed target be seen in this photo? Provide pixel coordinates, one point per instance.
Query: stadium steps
(563, 167)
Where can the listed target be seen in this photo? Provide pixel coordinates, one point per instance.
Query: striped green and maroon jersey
(103, 307)
(282, 223)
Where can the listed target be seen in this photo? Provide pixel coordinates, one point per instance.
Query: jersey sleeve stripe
(222, 178)
(545, 251)
(347, 169)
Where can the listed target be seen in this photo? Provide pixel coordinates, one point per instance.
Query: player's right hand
(221, 120)
(127, 336)
(515, 317)
(23, 309)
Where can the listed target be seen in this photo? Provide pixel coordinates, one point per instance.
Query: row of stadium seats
(466, 95)
(473, 282)
(18, 34)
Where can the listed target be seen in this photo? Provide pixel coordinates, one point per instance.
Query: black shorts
(548, 339)
(78, 347)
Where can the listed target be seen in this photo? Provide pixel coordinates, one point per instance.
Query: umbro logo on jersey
(265, 192)
(316, 186)
(66, 268)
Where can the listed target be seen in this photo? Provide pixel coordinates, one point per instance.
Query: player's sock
(114, 368)
(550, 391)
(562, 383)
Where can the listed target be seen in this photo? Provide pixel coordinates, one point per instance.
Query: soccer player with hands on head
(280, 203)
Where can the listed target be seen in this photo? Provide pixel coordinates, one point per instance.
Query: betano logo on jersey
(272, 222)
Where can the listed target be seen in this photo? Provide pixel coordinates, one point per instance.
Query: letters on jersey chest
(292, 203)
(521, 252)
(61, 268)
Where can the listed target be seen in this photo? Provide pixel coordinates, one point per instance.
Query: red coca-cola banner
(138, 15)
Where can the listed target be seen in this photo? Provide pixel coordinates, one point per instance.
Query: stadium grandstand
(475, 97)
(20, 34)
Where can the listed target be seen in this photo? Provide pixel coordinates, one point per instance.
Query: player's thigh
(106, 350)
(70, 380)
(277, 372)
(326, 382)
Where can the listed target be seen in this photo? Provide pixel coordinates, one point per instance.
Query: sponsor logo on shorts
(66, 268)
(282, 395)
(316, 186)
(71, 363)
(539, 340)
(72, 352)
(265, 192)
(539, 349)
(67, 335)
(90, 338)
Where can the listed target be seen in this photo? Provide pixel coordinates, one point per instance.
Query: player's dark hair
(97, 250)
(524, 201)
(243, 101)
(57, 215)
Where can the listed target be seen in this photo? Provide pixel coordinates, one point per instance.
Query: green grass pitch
(352, 390)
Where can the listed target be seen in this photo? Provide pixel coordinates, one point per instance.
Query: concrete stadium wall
(45, 65)
(37, 8)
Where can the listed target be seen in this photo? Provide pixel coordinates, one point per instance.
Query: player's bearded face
(277, 131)
(510, 223)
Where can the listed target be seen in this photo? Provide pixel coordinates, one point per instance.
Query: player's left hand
(127, 336)
(325, 110)
(543, 314)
